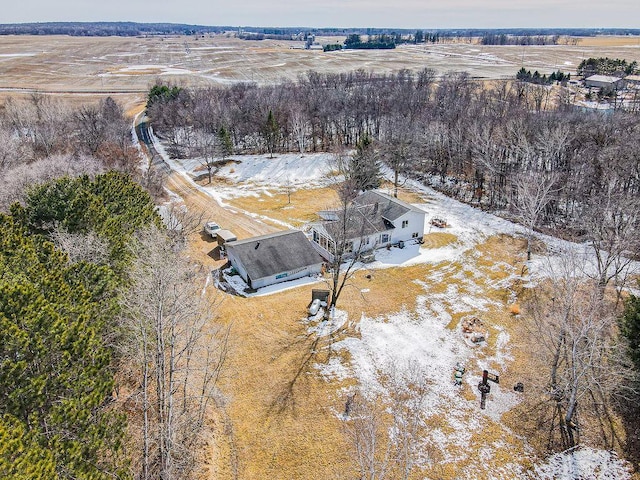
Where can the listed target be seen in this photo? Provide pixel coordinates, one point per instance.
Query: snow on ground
(424, 335)
(583, 463)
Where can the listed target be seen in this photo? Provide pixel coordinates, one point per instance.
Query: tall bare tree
(534, 191)
(174, 351)
(582, 355)
(384, 424)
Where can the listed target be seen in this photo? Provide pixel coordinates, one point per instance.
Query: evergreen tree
(630, 327)
(225, 142)
(111, 205)
(55, 365)
(364, 169)
(271, 133)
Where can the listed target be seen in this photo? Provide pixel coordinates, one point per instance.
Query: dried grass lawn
(284, 413)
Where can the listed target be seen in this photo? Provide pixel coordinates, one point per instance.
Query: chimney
(375, 208)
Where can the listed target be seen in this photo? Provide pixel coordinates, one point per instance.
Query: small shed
(274, 258)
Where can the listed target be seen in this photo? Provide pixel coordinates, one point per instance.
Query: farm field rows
(128, 66)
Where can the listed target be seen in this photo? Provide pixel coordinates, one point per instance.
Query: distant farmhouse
(273, 258)
(604, 81)
(378, 220)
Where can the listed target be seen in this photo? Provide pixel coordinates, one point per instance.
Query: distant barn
(274, 258)
(604, 81)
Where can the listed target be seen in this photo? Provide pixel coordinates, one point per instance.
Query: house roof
(602, 78)
(371, 212)
(275, 253)
(389, 207)
(363, 220)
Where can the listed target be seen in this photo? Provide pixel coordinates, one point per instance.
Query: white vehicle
(212, 229)
(314, 307)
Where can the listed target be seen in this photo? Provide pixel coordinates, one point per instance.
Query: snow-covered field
(423, 335)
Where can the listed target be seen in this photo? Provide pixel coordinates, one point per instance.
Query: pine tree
(271, 133)
(630, 327)
(55, 365)
(225, 142)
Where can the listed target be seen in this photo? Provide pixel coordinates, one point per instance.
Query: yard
(289, 378)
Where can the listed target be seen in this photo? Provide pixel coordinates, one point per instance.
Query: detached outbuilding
(604, 81)
(274, 258)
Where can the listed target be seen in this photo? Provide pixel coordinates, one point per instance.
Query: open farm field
(85, 67)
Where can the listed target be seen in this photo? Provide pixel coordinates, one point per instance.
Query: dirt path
(202, 247)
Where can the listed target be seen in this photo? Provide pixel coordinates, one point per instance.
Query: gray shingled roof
(390, 208)
(275, 253)
(363, 220)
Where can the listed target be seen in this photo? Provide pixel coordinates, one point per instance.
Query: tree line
(468, 139)
(42, 138)
(607, 66)
(108, 353)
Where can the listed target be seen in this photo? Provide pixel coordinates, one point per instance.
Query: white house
(274, 258)
(376, 220)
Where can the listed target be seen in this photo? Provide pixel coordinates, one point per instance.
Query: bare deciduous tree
(582, 355)
(206, 149)
(534, 191)
(384, 424)
(174, 351)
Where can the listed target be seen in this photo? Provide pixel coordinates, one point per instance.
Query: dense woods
(57, 357)
(81, 255)
(470, 140)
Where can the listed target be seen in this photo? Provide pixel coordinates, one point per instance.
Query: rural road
(239, 222)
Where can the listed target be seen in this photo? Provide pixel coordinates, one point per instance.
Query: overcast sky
(336, 13)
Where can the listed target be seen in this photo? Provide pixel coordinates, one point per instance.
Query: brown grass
(303, 207)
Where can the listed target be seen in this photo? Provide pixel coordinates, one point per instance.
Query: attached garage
(274, 258)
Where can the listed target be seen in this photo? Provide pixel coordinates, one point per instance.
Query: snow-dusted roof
(391, 208)
(274, 253)
(603, 78)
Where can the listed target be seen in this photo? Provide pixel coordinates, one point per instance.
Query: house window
(384, 238)
(323, 242)
(348, 247)
(415, 235)
(365, 241)
(316, 237)
(405, 223)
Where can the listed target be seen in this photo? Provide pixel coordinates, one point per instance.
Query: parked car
(212, 229)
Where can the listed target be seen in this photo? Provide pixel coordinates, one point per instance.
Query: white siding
(286, 276)
(237, 265)
(414, 225)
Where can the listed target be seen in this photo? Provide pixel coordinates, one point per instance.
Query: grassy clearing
(284, 414)
(302, 207)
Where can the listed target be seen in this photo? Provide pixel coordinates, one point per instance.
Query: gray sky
(336, 13)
